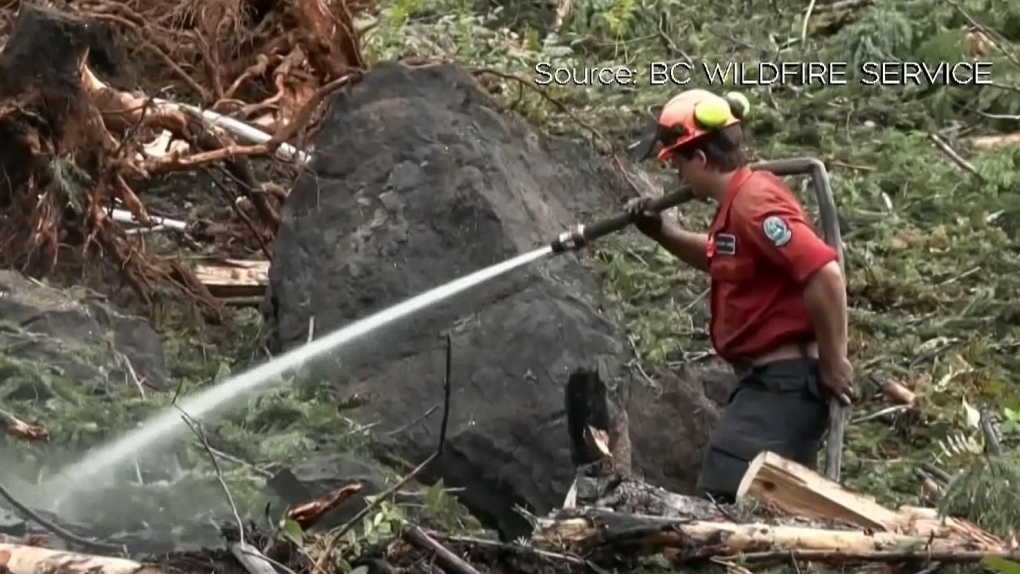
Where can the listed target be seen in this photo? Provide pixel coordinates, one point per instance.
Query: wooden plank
(234, 278)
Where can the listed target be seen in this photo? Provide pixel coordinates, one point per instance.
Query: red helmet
(691, 115)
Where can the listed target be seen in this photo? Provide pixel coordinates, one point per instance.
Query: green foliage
(446, 511)
(385, 523)
(985, 492)
(292, 531)
(1000, 565)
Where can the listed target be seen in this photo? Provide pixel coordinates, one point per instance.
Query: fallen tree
(687, 540)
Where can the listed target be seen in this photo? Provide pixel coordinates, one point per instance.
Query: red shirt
(761, 251)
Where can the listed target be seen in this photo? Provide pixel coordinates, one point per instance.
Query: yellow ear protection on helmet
(717, 113)
(694, 114)
(688, 116)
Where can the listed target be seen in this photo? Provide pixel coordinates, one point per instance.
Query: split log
(18, 559)
(20, 429)
(234, 278)
(796, 490)
(693, 540)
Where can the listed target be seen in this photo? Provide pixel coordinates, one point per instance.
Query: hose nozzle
(570, 240)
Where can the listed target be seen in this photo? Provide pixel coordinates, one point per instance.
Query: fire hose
(578, 236)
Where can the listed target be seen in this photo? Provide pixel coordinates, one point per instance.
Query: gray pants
(779, 407)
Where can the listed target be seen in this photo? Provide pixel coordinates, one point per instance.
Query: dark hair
(724, 149)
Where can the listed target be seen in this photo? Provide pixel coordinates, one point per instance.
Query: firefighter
(778, 296)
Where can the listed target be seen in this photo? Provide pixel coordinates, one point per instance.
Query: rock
(670, 423)
(11, 524)
(48, 334)
(419, 181)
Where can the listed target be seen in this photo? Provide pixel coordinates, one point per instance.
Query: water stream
(168, 426)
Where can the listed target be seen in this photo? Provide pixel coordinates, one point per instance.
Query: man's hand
(647, 222)
(838, 377)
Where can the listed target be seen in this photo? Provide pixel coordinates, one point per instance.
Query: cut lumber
(697, 540)
(796, 490)
(234, 278)
(18, 559)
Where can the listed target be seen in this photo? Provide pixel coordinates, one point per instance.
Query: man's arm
(825, 300)
(689, 247)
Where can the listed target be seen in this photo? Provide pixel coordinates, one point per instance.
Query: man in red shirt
(778, 297)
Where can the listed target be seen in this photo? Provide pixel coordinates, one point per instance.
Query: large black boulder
(418, 180)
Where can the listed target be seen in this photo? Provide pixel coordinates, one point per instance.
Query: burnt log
(593, 404)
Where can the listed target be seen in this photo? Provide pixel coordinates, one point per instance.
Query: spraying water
(169, 426)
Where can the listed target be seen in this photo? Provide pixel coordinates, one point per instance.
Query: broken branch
(18, 428)
(308, 514)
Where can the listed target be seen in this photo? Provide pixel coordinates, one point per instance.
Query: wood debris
(234, 278)
(784, 512)
(809, 518)
(18, 559)
(308, 514)
(992, 142)
(688, 540)
(794, 490)
(18, 428)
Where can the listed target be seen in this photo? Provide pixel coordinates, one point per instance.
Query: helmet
(691, 115)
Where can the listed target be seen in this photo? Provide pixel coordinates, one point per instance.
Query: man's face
(692, 171)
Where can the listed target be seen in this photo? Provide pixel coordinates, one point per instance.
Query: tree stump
(592, 404)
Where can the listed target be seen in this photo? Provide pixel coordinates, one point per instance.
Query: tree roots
(74, 145)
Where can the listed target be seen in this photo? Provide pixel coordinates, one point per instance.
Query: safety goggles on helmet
(690, 116)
